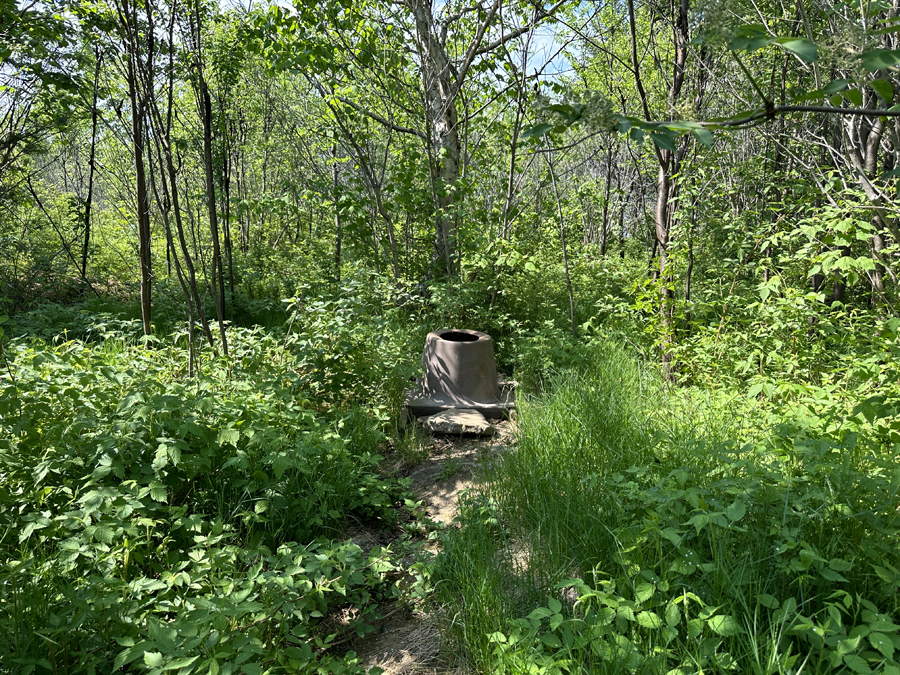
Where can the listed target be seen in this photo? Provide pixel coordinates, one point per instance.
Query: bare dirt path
(409, 642)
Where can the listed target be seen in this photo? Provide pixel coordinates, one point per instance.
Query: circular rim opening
(458, 336)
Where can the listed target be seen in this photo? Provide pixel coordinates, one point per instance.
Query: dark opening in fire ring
(458, 336)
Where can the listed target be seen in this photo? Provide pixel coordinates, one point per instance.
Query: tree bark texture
(442, 121)
(137, 95)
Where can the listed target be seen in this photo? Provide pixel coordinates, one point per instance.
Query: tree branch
(542, 14)
(770, 112)
(378, 118)
(473, 48)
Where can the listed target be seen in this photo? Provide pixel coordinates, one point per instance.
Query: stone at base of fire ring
(458, 421)
(421, 404)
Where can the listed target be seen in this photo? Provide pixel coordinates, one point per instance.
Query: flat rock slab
(422, 404)
(458, 421)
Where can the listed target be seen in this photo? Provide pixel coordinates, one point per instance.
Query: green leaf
(673, 615)
(857, 664)
(540, 613)
(805, 49)
(748, 44)
(884, 89)
(704, 136)
(880, 58)
(562, 109)
(836, 86)
(699, 521)
(649, 620)
(831, 575)
(736, 511)
(644, 591)
(724, 625)
(854, 96)
(537, 131)
(840, 565)
(153, 659)
(228, 437)
(551, 640)
(129, 655)
(158, 492)
(882, 626)
(663, 141)
(554, 605)
(882, 643)
(182, 662)
(694, 628)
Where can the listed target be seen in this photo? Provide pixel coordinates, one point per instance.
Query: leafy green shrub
(354, 347)
(189, 525)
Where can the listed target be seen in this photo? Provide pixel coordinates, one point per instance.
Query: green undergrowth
(150, 521)
(639, 529)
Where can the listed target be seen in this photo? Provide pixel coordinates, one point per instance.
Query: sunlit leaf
(854, 96)
(537, 131)
(649, 620)
(857, 664)
(724, 625)
(882, 643)
(704, 136)
(805, 49)
(153, 659)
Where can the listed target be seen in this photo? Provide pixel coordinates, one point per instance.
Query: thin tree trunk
(226, 221)
(669, 164)
(163, 138)
(127, 13)
(371, 179)
(604, 223)
(562, 237)
(690, 264)
(217, 280)
(337, 214)
(165, 202)
(92, 166)
(443, 126)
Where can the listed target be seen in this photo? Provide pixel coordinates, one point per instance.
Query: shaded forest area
(226, 230)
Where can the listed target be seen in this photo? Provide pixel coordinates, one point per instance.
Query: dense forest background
(226, 230)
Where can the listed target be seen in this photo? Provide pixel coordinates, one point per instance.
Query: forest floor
(409, 641)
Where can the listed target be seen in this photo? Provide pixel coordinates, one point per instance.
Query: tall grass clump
(637, 529)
